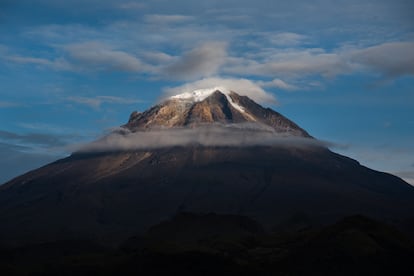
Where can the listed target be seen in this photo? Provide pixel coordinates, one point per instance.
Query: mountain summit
(216, 105)
(132, 183)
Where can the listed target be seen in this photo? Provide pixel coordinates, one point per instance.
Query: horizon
(72, 70)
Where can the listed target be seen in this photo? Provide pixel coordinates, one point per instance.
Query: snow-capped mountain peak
(216, 105)
(201, 94)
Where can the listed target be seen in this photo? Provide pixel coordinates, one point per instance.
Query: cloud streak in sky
(286, 39)
(30, 139)
(291, 62)
(278, 83)
(212, 58)
(96, 102)
(5, 104)
(202, 61)
(186, 48)
(393, 59)
(59, 64)
(100, 57)
(167, 18)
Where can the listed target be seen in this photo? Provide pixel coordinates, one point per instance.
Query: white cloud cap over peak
(242, 87)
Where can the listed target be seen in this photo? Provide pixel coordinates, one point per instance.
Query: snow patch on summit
(201, 94)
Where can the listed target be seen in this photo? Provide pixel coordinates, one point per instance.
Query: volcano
(205, 151)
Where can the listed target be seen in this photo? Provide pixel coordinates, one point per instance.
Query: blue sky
(71, 70)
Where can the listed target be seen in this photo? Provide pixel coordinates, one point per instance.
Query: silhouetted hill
(353, 246)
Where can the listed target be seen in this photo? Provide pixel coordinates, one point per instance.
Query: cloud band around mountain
(239, 135)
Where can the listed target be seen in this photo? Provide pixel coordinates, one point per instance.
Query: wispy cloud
(5, 104)
(202, 61)
(57, 64)
(132, 5)
(96, 102)
(42, 61)
(286, 39)
(98, 56)
(216, 48)
(292, 63)
(30, 139)
(392, 59)
(39, 127)
(158, 57)
(278, 83)
(167, 18)
(87, 56)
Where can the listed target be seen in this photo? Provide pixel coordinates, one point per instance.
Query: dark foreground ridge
(211, 244)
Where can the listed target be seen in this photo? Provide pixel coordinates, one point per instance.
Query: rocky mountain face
(109, 196)
(193, 109)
